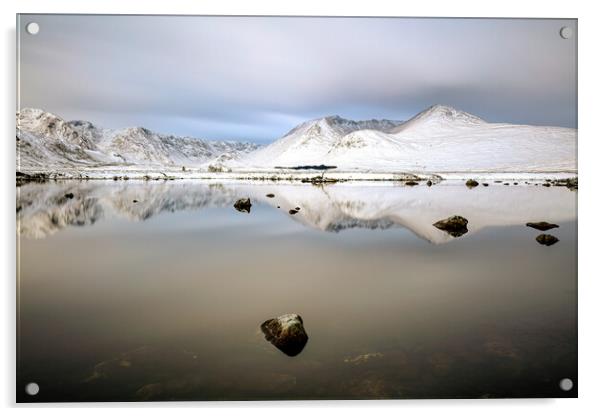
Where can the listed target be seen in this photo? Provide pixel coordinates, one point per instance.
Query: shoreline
(305, 176)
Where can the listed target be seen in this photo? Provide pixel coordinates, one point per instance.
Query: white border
(590, 137)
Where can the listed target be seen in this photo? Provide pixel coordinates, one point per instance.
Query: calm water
(162, 299)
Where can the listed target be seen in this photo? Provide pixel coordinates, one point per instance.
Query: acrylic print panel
(253, 208)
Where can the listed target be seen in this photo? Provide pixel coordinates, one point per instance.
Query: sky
(255, 78)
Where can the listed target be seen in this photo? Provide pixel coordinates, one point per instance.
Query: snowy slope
(439, 139)
(309, 143)
(44, 140)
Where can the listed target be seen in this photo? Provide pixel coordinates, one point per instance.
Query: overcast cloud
(255, 78)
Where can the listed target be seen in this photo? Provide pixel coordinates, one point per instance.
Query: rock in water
(411, 183)
(471, 183)
(546, 239)
(270, 195)
(292, 211)
(542, 225)
(429, 183)
(69, 195)
(243, 205)
(286, 333)
(455, 226)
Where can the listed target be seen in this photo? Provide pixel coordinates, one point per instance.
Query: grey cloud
(254, 78)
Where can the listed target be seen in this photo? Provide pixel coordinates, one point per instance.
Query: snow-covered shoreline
(138, 173)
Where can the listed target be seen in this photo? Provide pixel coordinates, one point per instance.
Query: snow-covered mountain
(439, 139)
(45, 140)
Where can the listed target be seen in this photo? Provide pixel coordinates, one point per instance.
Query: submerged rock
(455, 225)
(471, 183)
(243, 205)
(270, 195)
(542, 225)
(546, 239)
(286, 333)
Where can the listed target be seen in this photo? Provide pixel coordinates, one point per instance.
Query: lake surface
(163, 298)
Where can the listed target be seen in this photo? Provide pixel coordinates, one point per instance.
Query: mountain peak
(438, 117)
(446, 113)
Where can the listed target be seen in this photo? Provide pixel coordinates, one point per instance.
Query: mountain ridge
(438, 139)
(45, 139)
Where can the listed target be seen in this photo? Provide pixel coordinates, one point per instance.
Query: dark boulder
(243, 205)
(270, 195)
(455, 225)
(429, 183)
(69, 195)
(286, 333)
(471, 183)
(542, 225)
(546, 239)
(411, 183)
(485, 184)
(292, 211)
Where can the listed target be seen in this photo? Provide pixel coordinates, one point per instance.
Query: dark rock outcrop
(243, 205)
(471, 183)
(571, 183)
(546, 239)
(455, 225)
(30, 177)
(286, 333)
(542, 225)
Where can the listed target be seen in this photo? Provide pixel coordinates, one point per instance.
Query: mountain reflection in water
(43, 209)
